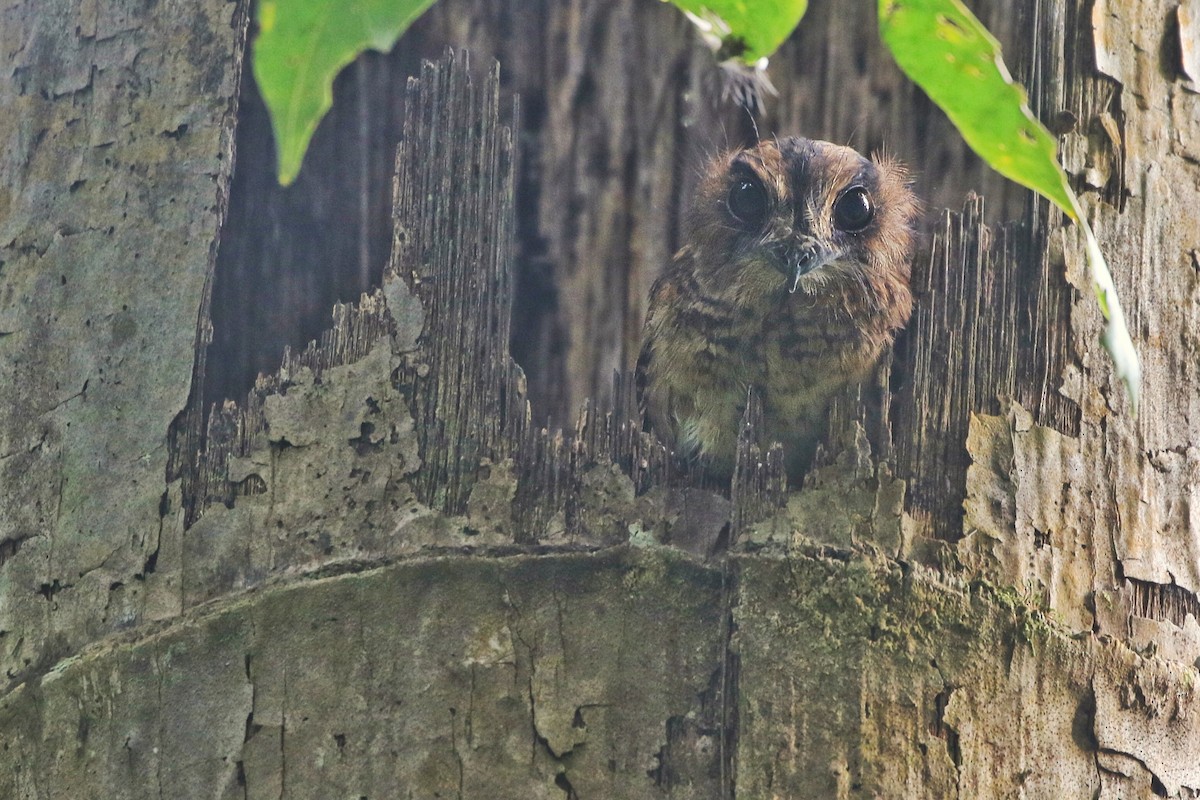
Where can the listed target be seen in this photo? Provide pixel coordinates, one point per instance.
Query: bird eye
(748, 200)
(853, 210)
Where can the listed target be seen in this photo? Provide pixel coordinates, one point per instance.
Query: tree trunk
(118, 128)
(378, 576)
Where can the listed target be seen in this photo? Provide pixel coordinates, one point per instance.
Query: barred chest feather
(793, 280)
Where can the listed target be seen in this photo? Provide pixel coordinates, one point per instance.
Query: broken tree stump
(391, 582)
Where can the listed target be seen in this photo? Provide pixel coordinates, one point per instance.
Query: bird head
(796, 220)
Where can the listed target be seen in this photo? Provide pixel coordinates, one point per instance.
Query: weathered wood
(233, 432)
(468, 396)
(988, 315)
(862, 640)
(452, 677)
(759, 484)
(892, 476)
(441, 425)
(116, 125)
(594, 674)
(453, 242)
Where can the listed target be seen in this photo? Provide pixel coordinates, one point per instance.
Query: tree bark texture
(377, 575)
(117, 123)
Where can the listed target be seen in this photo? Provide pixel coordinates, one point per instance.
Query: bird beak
(800, 258)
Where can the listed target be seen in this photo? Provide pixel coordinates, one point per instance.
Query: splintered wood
(453, 241)
(759, 485)
(987, 325)
(234, 431)
(452, 248)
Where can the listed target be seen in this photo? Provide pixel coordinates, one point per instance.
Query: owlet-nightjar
(793, 279)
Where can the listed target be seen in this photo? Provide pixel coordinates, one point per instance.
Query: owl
(792, 281)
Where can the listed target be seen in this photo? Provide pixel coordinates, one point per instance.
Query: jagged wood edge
(454, 223)
(988, 320)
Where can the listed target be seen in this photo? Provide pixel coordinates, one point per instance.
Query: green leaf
(745, 29)
(946, 51)
(300, 47)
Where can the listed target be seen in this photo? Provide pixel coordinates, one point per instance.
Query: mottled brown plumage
(793, 278)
